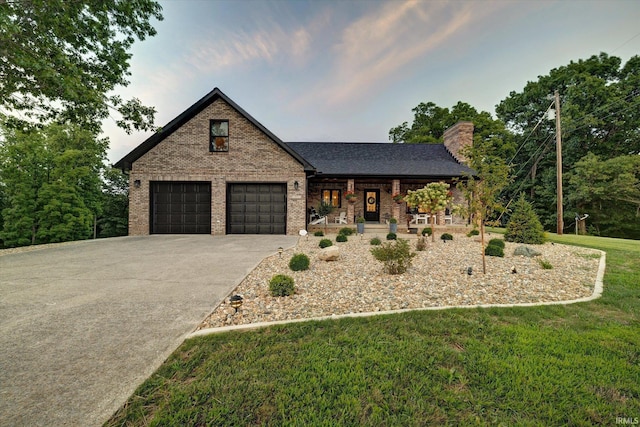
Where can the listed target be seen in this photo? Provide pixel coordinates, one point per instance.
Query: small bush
(299, 262)
(494, 250)
(446, 236)
(426, 231)
(375, 241)
(392, 236)
(524, 225)
(396, 256)
(325, 243)
(545, 264)
(496, 242)
(473, 232)
(341, 238)
(421, 244)
(346, 231)
(281, 286)
(319, 233)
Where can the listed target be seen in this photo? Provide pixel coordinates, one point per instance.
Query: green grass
(535, 366)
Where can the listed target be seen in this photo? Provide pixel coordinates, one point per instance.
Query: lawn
(553, 365)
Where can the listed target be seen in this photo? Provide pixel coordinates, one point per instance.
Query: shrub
(375, 241)
(392, 236)
(325, 243)
(524, 225)
(281, 286)
(392, 220)
(341, 238)
(396, 256)
(346, 231)
(421, 244)
(426, 231)
(496, 242)
(494, 250)
(545, 264)
(473, 232)
(299, 262)
(446, 236)
(319, 233)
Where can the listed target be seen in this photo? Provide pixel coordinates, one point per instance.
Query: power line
(531, 133)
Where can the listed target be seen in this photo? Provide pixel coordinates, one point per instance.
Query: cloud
(388, 39)
(242, 48)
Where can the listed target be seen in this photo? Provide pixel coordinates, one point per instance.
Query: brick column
(350, 206)
(395, 188)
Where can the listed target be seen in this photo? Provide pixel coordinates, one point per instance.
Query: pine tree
(524, 225)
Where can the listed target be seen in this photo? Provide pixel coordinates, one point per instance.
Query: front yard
(552, 365)
(438, 277)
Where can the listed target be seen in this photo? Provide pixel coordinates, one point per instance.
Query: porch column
(350, 206)
(395, 189)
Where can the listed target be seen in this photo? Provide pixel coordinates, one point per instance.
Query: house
(215, 169)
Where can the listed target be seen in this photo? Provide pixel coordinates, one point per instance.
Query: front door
(372, 205)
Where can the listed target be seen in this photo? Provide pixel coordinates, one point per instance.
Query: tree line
(600, 122)
(60, 62)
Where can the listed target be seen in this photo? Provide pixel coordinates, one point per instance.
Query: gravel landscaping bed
(438, 277)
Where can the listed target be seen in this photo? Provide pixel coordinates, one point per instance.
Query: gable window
(331, 197)
(218, 135)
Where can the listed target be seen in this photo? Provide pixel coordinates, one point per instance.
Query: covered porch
(374, 199)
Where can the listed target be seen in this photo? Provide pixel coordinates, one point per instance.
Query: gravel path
(356, 281)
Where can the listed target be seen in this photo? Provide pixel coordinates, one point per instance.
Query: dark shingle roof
(380, 159)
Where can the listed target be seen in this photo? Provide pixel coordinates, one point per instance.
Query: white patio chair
(342, 219)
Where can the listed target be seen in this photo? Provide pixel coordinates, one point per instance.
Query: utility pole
(560, 224)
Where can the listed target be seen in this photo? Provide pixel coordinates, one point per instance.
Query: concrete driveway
(83, 324)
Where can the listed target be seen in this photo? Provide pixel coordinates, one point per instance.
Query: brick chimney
(456, 137)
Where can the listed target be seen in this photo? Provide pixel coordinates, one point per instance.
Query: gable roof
(331, 159)
(188, 114)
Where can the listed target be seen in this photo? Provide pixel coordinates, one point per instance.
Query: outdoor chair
(342, 219)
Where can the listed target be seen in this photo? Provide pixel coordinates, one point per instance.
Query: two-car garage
(185, 208)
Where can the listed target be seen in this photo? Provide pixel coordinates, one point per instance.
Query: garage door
(181, 208)
(256, 209)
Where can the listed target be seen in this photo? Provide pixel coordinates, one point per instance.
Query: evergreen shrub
(281, 286)
(325, 243)
(299, 262)
(524, 225)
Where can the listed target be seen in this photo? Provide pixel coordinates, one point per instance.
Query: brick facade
(184, 156)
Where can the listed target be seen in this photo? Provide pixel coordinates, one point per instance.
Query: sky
(352, 70)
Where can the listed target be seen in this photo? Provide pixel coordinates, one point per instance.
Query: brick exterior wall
(184, 156)
(456, 137)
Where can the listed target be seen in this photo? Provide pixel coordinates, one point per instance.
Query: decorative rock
(527, 251)
(331, 253)
(434, 279)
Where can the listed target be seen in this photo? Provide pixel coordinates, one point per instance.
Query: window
(218, 135)
(331, 197)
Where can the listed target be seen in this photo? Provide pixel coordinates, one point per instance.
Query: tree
(483, 189)
(115, 204)
(430, 122)
(61, 58)
(524, 225)
(600, 114)
(432, 198)
(52, 183)
(609, 191)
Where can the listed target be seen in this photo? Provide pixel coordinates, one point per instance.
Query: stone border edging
(597, 293)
